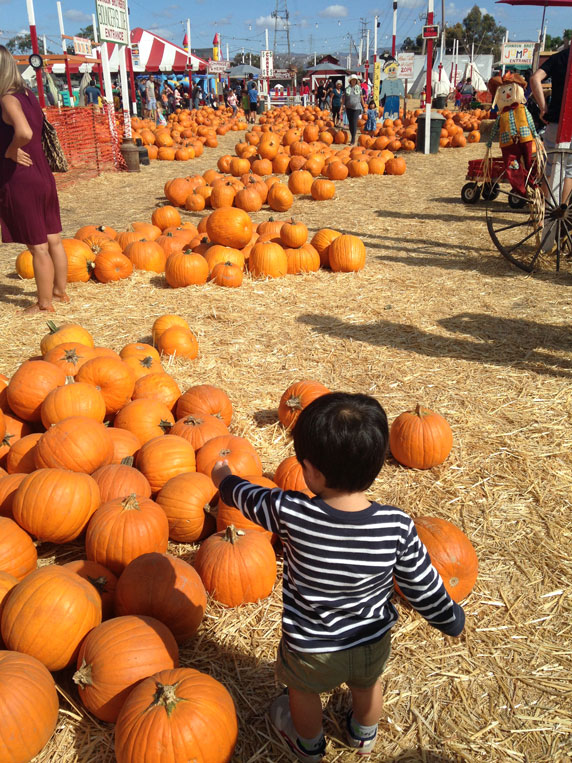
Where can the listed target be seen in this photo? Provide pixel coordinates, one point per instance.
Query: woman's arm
(537, 90)
(13, 114)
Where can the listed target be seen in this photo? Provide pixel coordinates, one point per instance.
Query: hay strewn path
(438, 317)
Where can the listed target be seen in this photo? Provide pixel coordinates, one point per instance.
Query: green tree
(482, 31)
(21, 43)
(86, 32)
(412, 46)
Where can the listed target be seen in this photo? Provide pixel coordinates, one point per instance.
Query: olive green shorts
(359, 667)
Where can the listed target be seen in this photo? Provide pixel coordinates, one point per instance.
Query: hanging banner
(376, 81)
(517, 53)
(406, 62)
(81, 46)
(266, 63)
(112, 19)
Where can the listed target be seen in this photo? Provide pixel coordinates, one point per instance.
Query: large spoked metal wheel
(526, 237)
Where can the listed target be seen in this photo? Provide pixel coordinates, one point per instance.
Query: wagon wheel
(522, 236)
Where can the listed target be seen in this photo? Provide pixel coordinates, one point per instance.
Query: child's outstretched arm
(423, 587)
(259, 504)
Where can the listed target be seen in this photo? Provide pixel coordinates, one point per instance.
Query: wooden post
(35, 49)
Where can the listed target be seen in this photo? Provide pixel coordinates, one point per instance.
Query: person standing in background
(354, 104)
(29, 206)
(151, 98)
(337, 96)
(555, 68)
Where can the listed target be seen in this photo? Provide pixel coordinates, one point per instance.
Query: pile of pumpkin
(117, 617)
(186, 132)
(224, 243)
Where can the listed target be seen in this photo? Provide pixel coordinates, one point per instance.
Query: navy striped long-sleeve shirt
(339, 568)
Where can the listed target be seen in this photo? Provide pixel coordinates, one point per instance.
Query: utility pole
(394, 31)
(281, 25)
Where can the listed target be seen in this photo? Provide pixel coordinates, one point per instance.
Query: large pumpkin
(452, 554)
(187, 712)
(30, 707)
(120, 480)
(229, 226)
(164, 457)
(77, 399)
(55, 505)
(145, 419)
(18, 555)
(199, 428)
(29, 387)
(296, 398)
(164, 587)
(102, 579)
(123, 529)
(48, 614)
(241, 456)
(228, 515)
(118, 654)
(112, 377)
(346, 254)
(420, 438)
(76, 443)
(205, 399)
(236, 566)
(187, 500)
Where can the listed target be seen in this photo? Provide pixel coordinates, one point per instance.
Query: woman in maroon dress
(29, 208)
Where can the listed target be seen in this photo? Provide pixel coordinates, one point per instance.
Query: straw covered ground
(436, 317)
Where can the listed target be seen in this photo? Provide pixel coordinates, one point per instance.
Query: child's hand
(219, 472)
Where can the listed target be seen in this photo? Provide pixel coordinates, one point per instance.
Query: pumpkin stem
(128, 461)
(231, 534)
(130, 503)
(82, 676)
(166, 695)
(52, 326)
(70, 380)
(419, 410)
(99, 583)
(71, 356)
(195, 421)
(147, 361)
(165, 425)
(294, 402)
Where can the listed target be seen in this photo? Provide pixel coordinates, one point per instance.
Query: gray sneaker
(362, 746)
(282, 722)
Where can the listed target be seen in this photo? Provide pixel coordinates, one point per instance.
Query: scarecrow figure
(391, 88)
(514, 129)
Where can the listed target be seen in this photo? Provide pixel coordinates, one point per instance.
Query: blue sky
(315, 25)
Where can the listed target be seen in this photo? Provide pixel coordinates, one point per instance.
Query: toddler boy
(341, 554)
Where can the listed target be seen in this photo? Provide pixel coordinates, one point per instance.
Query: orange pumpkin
(420, 438)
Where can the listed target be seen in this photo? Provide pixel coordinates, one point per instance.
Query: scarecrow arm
(494, 133)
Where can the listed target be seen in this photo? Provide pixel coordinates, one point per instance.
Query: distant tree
(21, 43)
(552, 43)
(238, 59)
(482, 31)
(412, 46)
(86, 32)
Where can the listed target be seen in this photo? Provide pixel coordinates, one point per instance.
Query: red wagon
(472, 191)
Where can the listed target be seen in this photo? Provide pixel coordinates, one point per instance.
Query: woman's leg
(44, 275)
(60, 265)
(353, 120)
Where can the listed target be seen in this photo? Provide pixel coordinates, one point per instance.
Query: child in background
(341, 554)
(371, 122)
(232, 101)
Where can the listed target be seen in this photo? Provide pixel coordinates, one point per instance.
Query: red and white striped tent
(154, 54)
(150, 53)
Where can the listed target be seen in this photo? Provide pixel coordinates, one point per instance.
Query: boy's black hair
(345, 437)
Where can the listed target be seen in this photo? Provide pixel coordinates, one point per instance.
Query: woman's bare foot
(61, 297)
(36, 308)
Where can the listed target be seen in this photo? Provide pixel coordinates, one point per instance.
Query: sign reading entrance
(112, 19)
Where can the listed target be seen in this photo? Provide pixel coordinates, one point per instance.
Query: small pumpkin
(346, 254)
(420, 438)
(241, 456)
(202, 399)
(164, 457)
(178, 341)
(102, 579)
(297, 397)
(76, 443)
(121, 480)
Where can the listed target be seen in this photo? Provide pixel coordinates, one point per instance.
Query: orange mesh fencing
(90, 140)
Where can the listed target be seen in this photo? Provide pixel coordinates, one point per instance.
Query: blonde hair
(10, 78)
